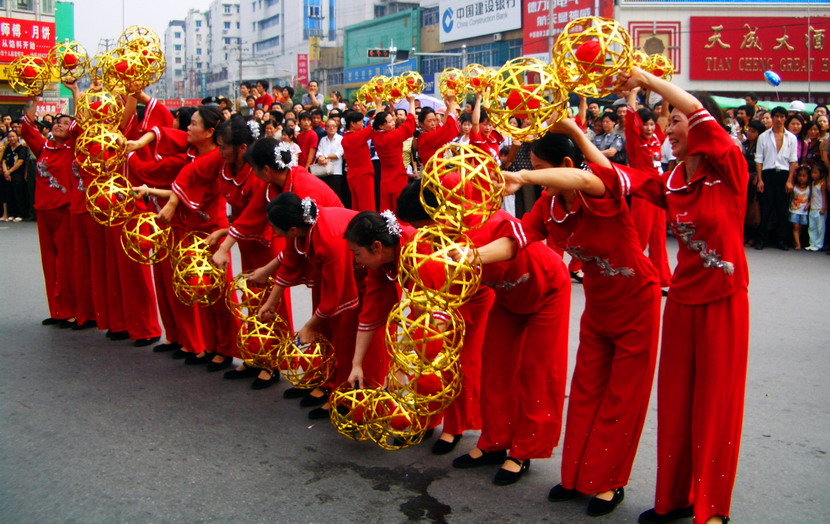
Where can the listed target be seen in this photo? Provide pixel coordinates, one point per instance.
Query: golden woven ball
(99, 107)
(127, 70)
(365, 94)
(100, 149)
(589, 53)
(453, 79)
(144, 239)
(245, 297)
(638, 57)
(528, 89)
(390, 426)
(259, 342)
(479, 78)
(68, 60)
(425, 394)
(28, 75)
(350, 410)
(467, 183)
(197, 282)
(660, 66)
(429, 275)
(110, 200)
(423, 340)
(192, 245)
(306, 365)
(394, 89)
(413, 83)
(138, 36)
(378, 85)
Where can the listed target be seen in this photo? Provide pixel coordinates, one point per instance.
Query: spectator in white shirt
(329, 164)
(776, 158)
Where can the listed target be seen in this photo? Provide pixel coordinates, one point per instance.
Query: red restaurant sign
(25, 37)
(536, 25)
(724, 48)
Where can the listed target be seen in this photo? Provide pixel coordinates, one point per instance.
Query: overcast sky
(99, 19)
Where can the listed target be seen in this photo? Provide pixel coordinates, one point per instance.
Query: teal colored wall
(65, 28)
(401, 29)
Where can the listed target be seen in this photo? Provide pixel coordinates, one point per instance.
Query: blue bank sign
(470, 18)
(361, 75)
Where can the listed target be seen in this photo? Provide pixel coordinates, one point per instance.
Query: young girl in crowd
(800, 204)
(288, 137)
(818, 207)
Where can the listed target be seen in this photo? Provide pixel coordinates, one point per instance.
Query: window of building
(23, 5)
(198, 65)
(380, 11)
(178, 60)
(237, 25)
(227, 25)
(177, 34)
(198, 50)
(177, 47)
(269, 22)
(198, 23)
(429, 16)
(269, 3)
(227, 8)
(47, 6)
(267, 44)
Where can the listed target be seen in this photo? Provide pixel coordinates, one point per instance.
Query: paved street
(96, 431)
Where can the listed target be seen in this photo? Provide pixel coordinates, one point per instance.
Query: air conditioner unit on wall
(497, 37)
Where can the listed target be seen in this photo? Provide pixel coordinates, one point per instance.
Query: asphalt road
(97, 431)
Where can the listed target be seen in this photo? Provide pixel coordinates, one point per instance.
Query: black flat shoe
(195, 360)
(144, 342)
(86, 325)
(50, 321)
(242, 373)
(295, 393)
(66, 324)
(310, 401)
(179, 354)
(167, 346)
(318, 414)
(652, 517)
(598, 507)
(442, 447)
(219, 366)
(115, 336)
(487, 457)
(259, 383)
(558, 493)
(575, 276)
(504, 477)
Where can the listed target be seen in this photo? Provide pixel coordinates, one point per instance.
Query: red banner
(536, 25)
(302, 70)
(25, 37)
(52, 107)
(176, 103)
(724, 48)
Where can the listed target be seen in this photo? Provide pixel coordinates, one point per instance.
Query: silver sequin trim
(608, 270)
(685, 231)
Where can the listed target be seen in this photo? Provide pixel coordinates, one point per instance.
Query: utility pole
(106, 44)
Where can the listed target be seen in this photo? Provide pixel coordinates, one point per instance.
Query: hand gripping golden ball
(68, 60)
(245, 297)
(425, 394)
(453, 80)
(100, 149)
(306, 365)
(422, 340)
(260, 342)
(350, 410)
(99, 106)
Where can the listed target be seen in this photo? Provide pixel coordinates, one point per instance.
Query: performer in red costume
(252, 227)
(202, 211)
(317, 255)
(706, 319)
(361, 172)
(157, 166)
(54, 176)
(434, 134)
(389, 146)
(643, 142)
(583, 211)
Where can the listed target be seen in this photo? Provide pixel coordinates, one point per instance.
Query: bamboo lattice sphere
(453, 79)
(99, 107)
(589, 53)
(110, 200)
(144, 239)
(426, 394)
(423, 341)
(468, 186)
(307, 365)
(430, 276)
(100, 149)
(349, 411)
(638, 57)
(525, 88)
(245, 297)
(259, 342)
(479, 78)
(197, 282)
(28, 75)
(660, 66)
(68, 60)
(413, 83)
(378, 85)
(390, 426)
(394, 89)
(192, 245)
(139, 37)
